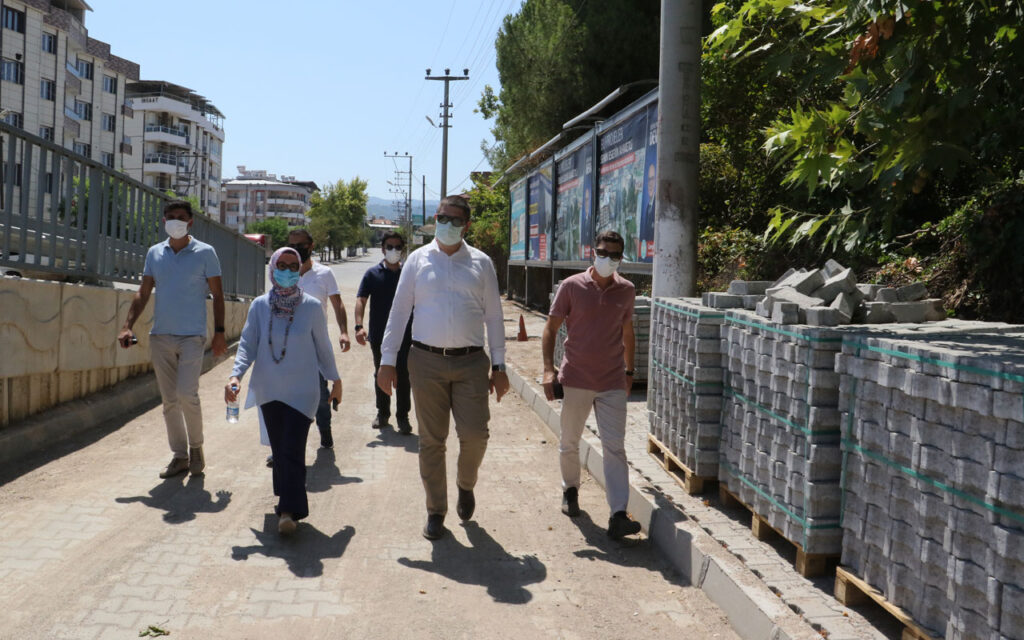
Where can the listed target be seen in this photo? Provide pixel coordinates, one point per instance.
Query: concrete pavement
(94, 545)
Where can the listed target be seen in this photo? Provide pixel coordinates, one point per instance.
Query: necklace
(270, 337)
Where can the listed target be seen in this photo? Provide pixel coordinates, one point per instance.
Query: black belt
(447, 351)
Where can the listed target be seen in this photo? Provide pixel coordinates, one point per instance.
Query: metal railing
(64, 215)
(165, 158)
(171, 130)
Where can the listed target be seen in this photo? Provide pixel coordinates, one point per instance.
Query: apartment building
(58, 83)
(257, 195)
(178, 138)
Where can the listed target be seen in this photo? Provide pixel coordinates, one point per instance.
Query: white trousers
(177, 363)
(610, 411)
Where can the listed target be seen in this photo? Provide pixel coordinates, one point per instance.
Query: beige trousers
(443, 386)
(610, 410)
(177, 362)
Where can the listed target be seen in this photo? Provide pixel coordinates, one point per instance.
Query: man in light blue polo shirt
(183, 270)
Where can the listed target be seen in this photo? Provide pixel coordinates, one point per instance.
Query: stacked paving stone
(934, 484)
(780, 449)
(641, 331)
(684, 395)
(828, 297)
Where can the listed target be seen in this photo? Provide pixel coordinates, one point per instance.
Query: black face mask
(303, 251)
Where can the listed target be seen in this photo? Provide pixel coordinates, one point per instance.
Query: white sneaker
(285, 524)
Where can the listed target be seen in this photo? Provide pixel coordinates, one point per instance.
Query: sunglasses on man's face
(454, 220)
(602, 253)
(392, 247)
(288, 266)
(299, 247)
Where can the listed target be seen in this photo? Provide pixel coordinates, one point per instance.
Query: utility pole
(447, 77)
(676, 210)
(423, 201)
(404, 188)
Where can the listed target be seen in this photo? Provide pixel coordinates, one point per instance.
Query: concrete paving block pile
(828, 297)
(641, 330)
(933, 511)
(780, 449)
(684, 395)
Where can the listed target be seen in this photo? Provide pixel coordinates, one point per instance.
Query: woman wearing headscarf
(285, 342)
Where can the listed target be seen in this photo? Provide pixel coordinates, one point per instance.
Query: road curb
(754, 612)
(36, 434)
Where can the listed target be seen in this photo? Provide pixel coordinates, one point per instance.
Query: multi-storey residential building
(178, 136)
(58, 83)
(257, 195)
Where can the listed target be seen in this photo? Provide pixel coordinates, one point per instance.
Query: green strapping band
(942, 363)
(692, 383)
(785, 421)
(793, 516)
(935, 483)
(791, 334)
(692, 314)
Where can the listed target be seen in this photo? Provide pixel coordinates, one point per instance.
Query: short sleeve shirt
(320, 283)
(181, 287)
(594, 353)
(379, 284)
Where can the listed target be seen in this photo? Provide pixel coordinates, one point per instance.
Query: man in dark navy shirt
(378, 285)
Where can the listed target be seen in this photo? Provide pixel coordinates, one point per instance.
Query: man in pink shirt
(596, 371)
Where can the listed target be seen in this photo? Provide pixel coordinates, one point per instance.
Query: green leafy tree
(489, 229)
(276, 228)
(338, 214)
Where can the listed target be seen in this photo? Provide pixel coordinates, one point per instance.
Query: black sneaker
(620, 526)
(327, 441)
(380, 422)
(571, 502)
(404, 427)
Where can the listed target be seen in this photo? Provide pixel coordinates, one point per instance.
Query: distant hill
(384, 208)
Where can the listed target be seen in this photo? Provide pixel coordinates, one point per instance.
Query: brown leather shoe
(176, 466)
(196, 460)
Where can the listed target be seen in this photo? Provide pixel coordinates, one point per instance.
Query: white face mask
(177, 229)
(447, 234)
(393, 256)
(605, 266)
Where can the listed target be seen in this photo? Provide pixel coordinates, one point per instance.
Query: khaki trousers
(443, 386)
(177, 362)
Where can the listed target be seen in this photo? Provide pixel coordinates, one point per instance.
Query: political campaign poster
(645, 239)
(517, 222)
(539, 211)
(573, 225)
(623, 152)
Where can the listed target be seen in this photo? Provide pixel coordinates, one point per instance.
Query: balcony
(163, 162)
(169, 135)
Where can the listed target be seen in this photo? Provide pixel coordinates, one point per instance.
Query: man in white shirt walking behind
(455, 291)
(318, 281)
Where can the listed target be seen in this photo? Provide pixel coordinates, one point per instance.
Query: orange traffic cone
(522, 330)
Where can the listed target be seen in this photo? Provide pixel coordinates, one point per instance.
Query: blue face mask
(285, 278)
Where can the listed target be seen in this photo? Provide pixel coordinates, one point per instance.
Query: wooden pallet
(851, 591)
(809, 565)
(688, 480)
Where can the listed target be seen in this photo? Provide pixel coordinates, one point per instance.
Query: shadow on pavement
(303, 551)
(387, 437)
(628, 552)
(181, 500)
(484, 562)
(324, 474)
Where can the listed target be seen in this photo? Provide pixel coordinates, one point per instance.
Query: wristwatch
(218, 329)
(498, 368)
(630, 372)
(358, 327)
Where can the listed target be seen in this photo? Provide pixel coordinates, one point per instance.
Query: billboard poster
(573, 223)
(645, 240)
(621, 187)
(539, 208)
(517, 222)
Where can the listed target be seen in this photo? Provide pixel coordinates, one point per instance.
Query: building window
(49, 183)
(16, 176)
(47, 89)
(109, 122)
(110, 84)
(46, 133)
(50, 42)
(83, 110)
(84, 69)
(14, 119)
(14, 20)
(107, 158)
(83, 149)
(12, 71)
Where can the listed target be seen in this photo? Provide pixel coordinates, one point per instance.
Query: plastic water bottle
(232, 415)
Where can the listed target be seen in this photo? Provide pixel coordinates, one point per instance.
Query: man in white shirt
(318, 281)
(455, 291)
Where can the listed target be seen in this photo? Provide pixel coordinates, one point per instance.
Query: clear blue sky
(320, 89)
